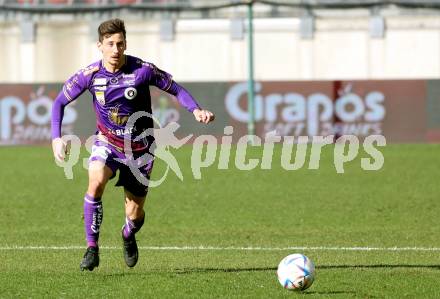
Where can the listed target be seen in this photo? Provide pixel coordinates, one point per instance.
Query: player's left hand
(203, 116)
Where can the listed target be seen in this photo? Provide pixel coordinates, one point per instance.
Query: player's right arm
(71, 90)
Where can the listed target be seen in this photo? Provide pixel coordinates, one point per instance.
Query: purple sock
(92, 219)
(132, 226)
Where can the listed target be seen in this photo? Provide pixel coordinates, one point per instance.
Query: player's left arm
(164, 81)
(187, 100)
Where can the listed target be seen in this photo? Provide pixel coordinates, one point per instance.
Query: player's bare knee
(96, 188)
(134, 206)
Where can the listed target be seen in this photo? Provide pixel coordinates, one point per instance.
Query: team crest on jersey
(114, 80)
(130, 93)
(100, 97)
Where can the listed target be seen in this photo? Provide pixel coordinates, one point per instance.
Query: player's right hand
(59, 149)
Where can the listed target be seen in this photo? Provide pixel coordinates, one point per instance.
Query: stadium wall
(404, 111)
(202, 50)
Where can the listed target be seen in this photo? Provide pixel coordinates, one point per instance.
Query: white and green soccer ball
(296, 272)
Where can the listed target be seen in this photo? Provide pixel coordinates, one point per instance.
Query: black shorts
(135, 178)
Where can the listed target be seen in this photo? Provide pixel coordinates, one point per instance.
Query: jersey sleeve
(165, 82)
(71, 90)
(157, 77)
(78, 83)
(183, 96)
(74, 86)
(58, 113)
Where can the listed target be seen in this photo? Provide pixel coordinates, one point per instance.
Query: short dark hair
(110, 27)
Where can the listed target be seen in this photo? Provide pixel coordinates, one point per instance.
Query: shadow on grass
(263, 269)
(384, 266)
(224, 270)
(307, 292)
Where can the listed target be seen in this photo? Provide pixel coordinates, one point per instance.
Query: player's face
(112, 48)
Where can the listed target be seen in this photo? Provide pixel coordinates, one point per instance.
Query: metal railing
(84, 6)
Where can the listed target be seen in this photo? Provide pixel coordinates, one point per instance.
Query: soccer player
(119, 85)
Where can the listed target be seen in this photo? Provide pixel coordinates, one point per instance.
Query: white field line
(212, 248)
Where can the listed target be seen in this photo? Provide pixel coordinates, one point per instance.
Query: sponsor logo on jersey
(103, 88)
(128, 76)
(100, 97)
(100, 81)
(121, 132)
(129, 82)
(130, 93)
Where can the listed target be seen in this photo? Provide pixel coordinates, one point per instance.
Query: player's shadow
(225, 270)
(334, 293)
(308, 292)
(324, 267)
(257, 269)
(189, 271)
(384, 266)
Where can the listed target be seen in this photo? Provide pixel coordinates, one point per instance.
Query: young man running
(119, 85)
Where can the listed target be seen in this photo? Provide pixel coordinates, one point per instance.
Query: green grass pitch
(212, 223)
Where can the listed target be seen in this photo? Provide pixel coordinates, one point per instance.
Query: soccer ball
(296, 272)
